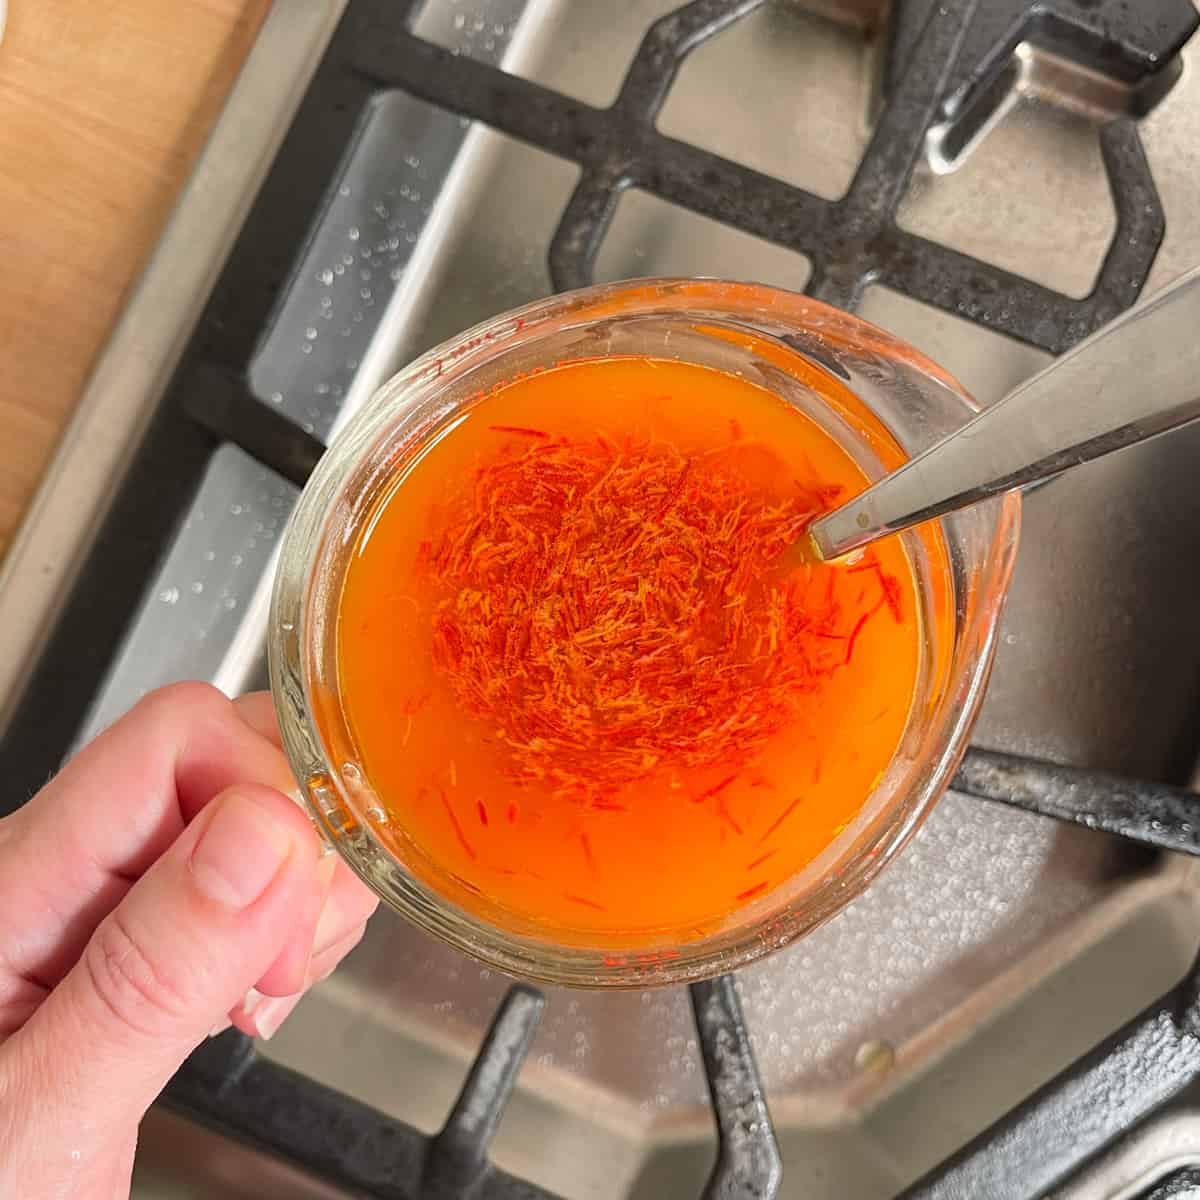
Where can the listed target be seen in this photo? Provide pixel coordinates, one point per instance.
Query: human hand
(158, 888)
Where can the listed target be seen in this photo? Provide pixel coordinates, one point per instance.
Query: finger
(287, 973)
(326, 962)
(179, 952)
(111, 812)
(260, 1016)
(346, 904)
(347, 892)
(257, 709)
(349, 903)
(19, 1000)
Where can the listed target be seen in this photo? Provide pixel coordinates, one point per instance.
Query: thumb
(166, 965)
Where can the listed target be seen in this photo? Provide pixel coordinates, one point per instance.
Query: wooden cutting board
(104, 105)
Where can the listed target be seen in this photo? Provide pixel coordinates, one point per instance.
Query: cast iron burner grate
(226, 1085)
(851, 242)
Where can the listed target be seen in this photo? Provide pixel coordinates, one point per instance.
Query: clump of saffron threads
(613, 612)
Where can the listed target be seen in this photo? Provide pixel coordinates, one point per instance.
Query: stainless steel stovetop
(1000, 946)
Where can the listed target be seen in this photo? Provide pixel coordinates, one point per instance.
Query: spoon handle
(1136, 377)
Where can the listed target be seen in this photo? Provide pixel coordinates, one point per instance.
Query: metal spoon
(1136, 377)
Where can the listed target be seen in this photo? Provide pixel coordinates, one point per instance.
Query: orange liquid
(674, 849)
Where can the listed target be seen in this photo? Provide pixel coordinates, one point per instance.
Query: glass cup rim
(835, 878)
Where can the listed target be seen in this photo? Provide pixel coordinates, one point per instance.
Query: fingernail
(271, 1014)
(329, 927)
(325, 868)
(217, 1030)
(239, 853)
(324, 877)
(251, 1000)
(312, 978)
